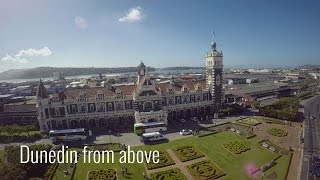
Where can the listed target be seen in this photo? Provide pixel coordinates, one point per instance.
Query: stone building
(120, 107)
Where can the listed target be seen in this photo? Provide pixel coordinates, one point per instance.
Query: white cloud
(134, 15)
(23, 55)
(81, 22)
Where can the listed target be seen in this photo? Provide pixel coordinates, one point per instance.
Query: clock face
(142, 71)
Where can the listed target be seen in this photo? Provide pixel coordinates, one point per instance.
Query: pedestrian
(126, 169)
(144, 176)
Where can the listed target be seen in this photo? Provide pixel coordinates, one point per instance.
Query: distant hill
(42, 72)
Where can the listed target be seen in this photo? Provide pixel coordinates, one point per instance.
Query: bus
(68, 134)
(140, 128)
(153, 137)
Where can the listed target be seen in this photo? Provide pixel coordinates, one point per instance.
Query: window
(91, 106)
(119, 105)
(100, 96)
(148, 106)
(110, 107)
(128, 105)
(74, 108)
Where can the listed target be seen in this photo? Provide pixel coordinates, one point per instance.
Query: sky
(161, 33)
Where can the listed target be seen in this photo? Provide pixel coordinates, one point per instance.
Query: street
(311, 136)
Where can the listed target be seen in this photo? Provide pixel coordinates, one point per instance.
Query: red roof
(19, 108)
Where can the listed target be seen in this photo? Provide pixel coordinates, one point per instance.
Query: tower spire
(41, 91)
(213, 42)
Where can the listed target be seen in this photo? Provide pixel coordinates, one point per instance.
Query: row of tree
(14, 170)
(286, 108)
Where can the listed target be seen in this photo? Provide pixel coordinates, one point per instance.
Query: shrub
(277, 132)
(108, 174)
(236, 147)
(205, 170)
(164, 160)
(187, 153)
(175, 174)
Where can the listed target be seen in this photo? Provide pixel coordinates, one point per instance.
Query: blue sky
(79, 33)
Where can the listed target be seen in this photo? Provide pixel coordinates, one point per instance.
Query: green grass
(164, 160)
(211, 146)
(271, 120)
(170, 174)
(59, 174)
(1, 157)
(249, 121)
(205, 170)
(21, 134)
(187, 153)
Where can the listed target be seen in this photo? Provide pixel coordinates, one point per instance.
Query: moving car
(186, 132)
(312, 117)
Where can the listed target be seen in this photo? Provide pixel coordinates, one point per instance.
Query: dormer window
(100, 97)
(82, 97)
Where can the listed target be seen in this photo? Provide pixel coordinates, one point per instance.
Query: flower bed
(205, 170)
(187, 153)
(236, 147)
(108, 174)
(175, 174)
(277, 132)
(164, 160)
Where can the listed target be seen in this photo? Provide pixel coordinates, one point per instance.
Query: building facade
(120, 107)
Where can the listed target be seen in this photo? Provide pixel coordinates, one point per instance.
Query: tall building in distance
(214, 74)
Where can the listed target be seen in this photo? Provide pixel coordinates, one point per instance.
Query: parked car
(182, 120)
(312, 117)
(186, 132)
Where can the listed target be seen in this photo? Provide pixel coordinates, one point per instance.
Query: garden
(175, 174)
(164, 160)
(277, 132)
(205, 170)
(249, 121)
(108, 174)
(236, 147)
(211, 146)
(187, 153)
(18, 133)
(116, 147)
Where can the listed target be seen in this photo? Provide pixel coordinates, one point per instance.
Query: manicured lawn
(187, 153)
(249, 121)
(170, 174)
(205, 170)
(232, 166)
(164, 160)
(1, 157)
(236, 147)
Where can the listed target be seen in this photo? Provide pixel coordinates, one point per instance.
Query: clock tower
(141, 71)
(214, 74)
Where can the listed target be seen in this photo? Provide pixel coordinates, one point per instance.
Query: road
(311, 136)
